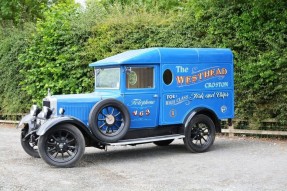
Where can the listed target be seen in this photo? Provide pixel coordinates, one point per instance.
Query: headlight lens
(35, 110)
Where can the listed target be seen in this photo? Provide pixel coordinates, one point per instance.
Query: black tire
(199, 134)
(109, 120)
(29, 144)
(163, 143)
(62, 146)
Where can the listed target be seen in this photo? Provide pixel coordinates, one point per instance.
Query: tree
(17, 12)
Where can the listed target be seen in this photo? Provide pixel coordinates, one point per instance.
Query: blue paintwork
(80, 105)
(167, 55)
(202, 78)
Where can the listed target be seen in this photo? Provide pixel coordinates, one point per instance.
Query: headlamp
(46, 112)
(35, 110)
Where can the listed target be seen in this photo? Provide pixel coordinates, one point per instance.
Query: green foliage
(254, 30)
(68, 38)
(53, 59)
(150, 5)
(15, 12)
(12, 98)
(15, 32)
(124, 30)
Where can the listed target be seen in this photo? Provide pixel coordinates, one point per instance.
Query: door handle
(155, 96)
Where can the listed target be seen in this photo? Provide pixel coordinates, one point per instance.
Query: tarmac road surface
(231, 164)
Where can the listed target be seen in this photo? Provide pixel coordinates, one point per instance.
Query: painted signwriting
(141, 113)
(172, 113)
(141, 109)
(198, 76)
(173, 99)
(210, 95)
(140, 102)
(223, 109)
(216, 85)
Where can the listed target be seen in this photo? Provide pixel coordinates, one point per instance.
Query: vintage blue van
(153, 95)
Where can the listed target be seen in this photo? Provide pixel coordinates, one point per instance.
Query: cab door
(141, 95)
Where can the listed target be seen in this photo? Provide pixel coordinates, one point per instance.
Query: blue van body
(153, 95)
(201, 78)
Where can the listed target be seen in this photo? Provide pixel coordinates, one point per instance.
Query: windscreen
(107, 78)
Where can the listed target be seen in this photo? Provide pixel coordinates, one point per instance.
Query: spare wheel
(109, 120)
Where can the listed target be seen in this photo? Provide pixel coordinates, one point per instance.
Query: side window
(140, 77)
(167, 77)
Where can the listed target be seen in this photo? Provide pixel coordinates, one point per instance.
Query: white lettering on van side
(139, 102)
(187, 99)
(180, 69)
(176, 101)
(198, 96)
(220, 95)
(216, 85)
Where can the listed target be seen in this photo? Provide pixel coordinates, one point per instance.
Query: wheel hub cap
(62, 146)
(110, 120)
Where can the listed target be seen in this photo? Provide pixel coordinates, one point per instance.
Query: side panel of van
(186, 87)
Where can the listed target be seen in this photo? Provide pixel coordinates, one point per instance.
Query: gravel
(231, 164)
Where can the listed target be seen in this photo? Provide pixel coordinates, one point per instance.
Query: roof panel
(141, 56)
(168, 56)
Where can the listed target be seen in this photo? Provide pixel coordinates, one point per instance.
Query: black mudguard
(204, 111)
(27, 119)
(52, 122)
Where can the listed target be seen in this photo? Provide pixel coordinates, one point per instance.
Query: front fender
(52, 122)
(27, 119)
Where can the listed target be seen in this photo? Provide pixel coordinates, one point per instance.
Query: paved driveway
(231, 164)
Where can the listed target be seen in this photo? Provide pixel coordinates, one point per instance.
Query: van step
(146, 140)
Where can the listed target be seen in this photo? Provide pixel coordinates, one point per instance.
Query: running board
(146, 140)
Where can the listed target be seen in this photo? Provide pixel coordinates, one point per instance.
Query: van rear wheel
(199, 134)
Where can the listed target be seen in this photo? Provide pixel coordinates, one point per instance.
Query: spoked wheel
(109, 120)
(163, 143)
(62, 146)
(29, 144)
(200, 134)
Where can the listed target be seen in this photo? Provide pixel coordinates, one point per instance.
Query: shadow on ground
(148, 152)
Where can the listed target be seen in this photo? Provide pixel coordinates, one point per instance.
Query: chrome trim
(145, 140)
(53, 104)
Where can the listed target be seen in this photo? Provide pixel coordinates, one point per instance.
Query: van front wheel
(199, 134)
(62, 146)
(29, 144)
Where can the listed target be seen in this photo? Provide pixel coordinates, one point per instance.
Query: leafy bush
(254, 30)
(256, 33)
(12, 43)
(53, 59)
(126, 29)
(67, 39)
